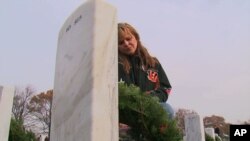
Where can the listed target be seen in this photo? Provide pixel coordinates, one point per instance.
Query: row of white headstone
(194, 129)
(193, 123)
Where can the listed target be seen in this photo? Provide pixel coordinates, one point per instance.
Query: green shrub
(208, 138)
(145, 116)
(18, 133)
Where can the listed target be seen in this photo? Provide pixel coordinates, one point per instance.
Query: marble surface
(210, 132)
(85, 102)
(6, 102)
(194, 128)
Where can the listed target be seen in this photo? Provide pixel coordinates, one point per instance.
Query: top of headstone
(1, 89)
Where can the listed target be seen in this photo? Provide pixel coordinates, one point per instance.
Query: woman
(138, 67)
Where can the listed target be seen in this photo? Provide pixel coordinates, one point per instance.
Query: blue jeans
(168, 108)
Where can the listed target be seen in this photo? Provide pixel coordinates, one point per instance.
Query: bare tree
(34, 111)
(247, 122)
(218, 123)
(21, 100)
(40, 111)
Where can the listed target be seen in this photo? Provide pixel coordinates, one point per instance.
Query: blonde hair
(146, 59)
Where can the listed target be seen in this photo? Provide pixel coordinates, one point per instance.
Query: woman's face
(127, 44)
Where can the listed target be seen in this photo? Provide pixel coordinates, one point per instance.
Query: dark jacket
(152, 80)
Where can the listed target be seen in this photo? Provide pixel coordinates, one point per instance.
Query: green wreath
(146, 118)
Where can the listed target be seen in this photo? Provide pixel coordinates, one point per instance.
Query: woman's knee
(168, 108)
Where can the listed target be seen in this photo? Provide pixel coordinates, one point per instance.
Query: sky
(203, 45)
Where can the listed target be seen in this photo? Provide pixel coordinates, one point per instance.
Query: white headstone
(194, 128)
(6, 102)
(1, 89)
(184, 138)
(210, 132)
(85, 102)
